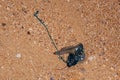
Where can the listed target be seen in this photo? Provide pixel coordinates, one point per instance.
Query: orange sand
(26, 52)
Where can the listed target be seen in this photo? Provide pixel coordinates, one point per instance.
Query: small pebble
(28, 33)
(112, 68)
(18, 55)
(30, 29)
(3, 24)
(86, 62)
(8, 8)
(68, 0)
(51, 78)
(104, 65)
(34, 42)
(91, 58)
(2, 67)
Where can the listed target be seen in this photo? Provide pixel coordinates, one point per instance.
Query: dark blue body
(75, 57)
